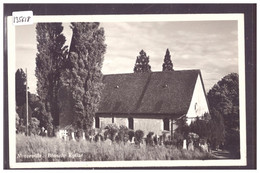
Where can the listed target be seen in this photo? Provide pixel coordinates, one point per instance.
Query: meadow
(45, 149)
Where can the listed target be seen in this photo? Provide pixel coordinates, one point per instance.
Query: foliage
(193, 136)
(208, 129)
(233, 139)
(34, 126)
(200, 127)
(50, 61)
(139, 134)
(215, 128)
(205, 127)
(177, 139)
(111, 131)
(149, 139)
(131, 134)
(20, 87)
(92, 151)
(44, 118)
(35, 116)
(21, 111)
(167, 64)
(83, 76)
(122, 135)
(98, 137)
(142, 63)
(34, 101)
(181, 132)
(223, 100)
(183, 128)
(39, 112)
(20, 124)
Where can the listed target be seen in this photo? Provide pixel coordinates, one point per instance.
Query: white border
(129, 18)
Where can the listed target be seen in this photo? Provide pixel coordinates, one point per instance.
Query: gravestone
(184, 144)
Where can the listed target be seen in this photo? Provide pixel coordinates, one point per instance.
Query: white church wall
(198, 105)
(145, 124)
(149, 125)
(121, 121)
(104, 121)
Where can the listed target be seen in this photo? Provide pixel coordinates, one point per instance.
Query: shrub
(233, 143)
(34, 126)
(200, 127)
(79, 134)
(122, 134)
(149, 139)
(131, 134)
(139, 134)
(111, 131)
(177, 140)
(20, 127)
(98, 137)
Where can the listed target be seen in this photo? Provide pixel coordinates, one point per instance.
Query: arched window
(131, 123)
(97, 123)
(166, 124)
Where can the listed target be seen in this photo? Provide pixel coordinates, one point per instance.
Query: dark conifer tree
(142, 63)
(49, 65)
(83, 77)
(20, 87)
(167, 64)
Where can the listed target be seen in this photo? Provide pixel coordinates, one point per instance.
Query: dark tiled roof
(148, 93)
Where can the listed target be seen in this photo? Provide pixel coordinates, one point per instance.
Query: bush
(233, 143)
(20, 127)
(34, 126)
(111, 131)
(139, 134)
(98, 137)
(131, 134)
(122, 134)
(149, 139)
(178, 139)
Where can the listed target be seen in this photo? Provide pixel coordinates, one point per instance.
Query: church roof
(148, 93)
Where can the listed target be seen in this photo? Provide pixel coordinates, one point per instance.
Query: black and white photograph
(139, 90)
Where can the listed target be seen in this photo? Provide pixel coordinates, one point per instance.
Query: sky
(211, 46)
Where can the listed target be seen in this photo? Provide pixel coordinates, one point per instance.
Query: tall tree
(49, 65)
(224, 99)
(216, 129)
(83, 77)
(39, 112)
(167, 64)
(44, 117)
(20, 87)
(142, 63)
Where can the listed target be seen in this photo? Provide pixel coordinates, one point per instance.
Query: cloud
(211, 46)
(208, 46)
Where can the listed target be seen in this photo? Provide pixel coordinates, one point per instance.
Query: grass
(44, 149)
